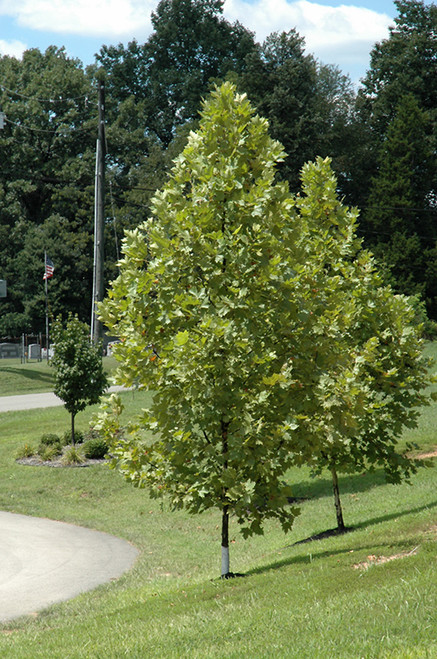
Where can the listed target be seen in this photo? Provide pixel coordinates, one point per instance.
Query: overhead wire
(57, 131)
(45, 100)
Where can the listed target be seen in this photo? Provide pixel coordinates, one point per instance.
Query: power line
(45, 100)
(399, 208)
(57, 131)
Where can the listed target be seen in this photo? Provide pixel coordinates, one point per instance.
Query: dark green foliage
(308, 104)
(399, 221)
(402, 64)
(95, 449)
(50, 445)
(190, 46)
(46, 186)
(394, 170)
(50, 439)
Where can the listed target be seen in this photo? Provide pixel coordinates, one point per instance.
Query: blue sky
(336, 32)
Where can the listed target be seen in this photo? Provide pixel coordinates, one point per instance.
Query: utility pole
(99, 216)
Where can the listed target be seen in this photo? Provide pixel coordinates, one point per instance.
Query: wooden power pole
(99, 217)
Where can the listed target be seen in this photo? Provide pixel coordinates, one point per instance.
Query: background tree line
(381, 139)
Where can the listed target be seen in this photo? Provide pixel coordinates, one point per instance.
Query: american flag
(49, 268)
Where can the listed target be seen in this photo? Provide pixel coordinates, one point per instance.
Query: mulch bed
(35, 461)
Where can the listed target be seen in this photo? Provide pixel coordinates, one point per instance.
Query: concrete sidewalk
(33, 401)
(43, 562)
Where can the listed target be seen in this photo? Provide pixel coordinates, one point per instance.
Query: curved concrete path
(43, 562)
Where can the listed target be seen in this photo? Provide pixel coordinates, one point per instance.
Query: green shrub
(95, 449)
(24, 451)
(72, 455)
(78, 437)
(49, 439)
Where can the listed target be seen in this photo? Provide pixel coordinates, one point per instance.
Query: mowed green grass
(325, 598)
(31, 377)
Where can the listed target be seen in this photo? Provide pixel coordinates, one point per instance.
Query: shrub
(78, 437)
(49, 439)
(72, 455)
(95, 449)
(25, 451)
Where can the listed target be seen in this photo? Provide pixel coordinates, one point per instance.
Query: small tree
(79, 376)
(366, 405)
(375, 376)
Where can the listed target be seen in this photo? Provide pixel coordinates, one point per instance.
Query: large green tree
(369, 398)
(308, 104)
(404, 63)
(191, 45)
(46, 184)
(401, 66)
(371, 377)
(400, 218)
(211, 315)
(231, 307)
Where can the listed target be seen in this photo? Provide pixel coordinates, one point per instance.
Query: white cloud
(12, 48)
(321, 25)
(114, 18)
(341, 35)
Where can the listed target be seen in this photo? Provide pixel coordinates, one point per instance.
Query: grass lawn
(338, 597)
(31, 377)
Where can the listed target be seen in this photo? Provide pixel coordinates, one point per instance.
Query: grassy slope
(31, 377)
(304, 600)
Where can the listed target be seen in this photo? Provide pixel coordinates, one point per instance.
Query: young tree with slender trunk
(79, 376)
(211, 314)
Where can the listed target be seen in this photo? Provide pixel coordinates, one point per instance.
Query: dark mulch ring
(35, 461)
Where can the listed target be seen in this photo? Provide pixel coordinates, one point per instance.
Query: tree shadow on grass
(319, 486)
(30, 374)
(394, 515)
(308, 558)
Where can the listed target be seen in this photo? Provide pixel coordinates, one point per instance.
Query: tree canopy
(46, 184)
(153, 96)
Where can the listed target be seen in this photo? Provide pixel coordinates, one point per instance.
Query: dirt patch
(34, 461)
(425, 456)
(380, 560)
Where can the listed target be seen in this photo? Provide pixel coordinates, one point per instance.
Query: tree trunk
(340, 521)
(225, 543)
(72, 428)
(225, 513)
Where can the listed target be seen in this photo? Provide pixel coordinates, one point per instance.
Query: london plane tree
(224, 306)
